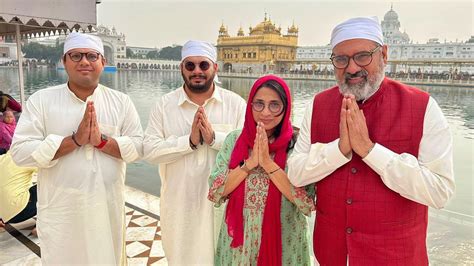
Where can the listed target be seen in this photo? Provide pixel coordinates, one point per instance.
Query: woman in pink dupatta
(264, 220)
(7, 128)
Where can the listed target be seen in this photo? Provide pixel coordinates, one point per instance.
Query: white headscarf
(357, 28)
(200, 48)
(81, 40)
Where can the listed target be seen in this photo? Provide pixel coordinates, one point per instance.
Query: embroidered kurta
(186, 216)
(294, 227)
(81, 215)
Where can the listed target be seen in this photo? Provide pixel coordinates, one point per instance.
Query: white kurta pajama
(187, 218)
(80, 195)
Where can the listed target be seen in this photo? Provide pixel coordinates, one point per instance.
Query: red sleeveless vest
(357, 215)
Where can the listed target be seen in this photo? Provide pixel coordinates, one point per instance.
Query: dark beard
(198, 88)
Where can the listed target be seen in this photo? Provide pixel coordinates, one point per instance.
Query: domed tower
(223, 31)
(391, 28)
(293, 30)
(240, 32)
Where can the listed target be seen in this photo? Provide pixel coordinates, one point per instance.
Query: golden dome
(240, 32)
(293, 29)
(266, 26)
(223, 31)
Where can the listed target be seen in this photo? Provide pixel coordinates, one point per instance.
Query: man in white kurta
(186, 130)
(80, 135)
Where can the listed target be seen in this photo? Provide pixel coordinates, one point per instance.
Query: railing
(453, 217)
(330, 77)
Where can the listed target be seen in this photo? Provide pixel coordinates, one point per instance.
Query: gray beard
(364, 89)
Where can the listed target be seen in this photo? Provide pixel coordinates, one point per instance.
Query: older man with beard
(379, 152)
(186, 129)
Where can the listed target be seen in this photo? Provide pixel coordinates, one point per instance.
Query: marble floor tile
(137, 261)
(157, 249)
(136, 248)
(144, 220)
(140, 233)
(30, 260)
(11, 249)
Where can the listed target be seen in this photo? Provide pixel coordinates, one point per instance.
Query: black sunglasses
(190, 66)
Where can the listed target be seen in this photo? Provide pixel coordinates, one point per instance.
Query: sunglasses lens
(189, 66)
(204, 65)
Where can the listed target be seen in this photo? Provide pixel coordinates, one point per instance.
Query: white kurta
(80, 195)
(428, 179)
(186, 216)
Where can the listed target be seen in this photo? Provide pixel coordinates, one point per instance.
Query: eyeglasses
(90, 56)
(190, 66)
(274, 107)
(361, 59)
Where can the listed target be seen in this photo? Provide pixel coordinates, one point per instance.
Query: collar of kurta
(216, 95)
(96, 91)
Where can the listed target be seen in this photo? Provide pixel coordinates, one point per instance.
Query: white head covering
(81, 40)
(357, 28)
(199, 48)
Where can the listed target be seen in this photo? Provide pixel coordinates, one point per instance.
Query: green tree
(152, 54)
(171, 52)
(43, 52)
(130, 53)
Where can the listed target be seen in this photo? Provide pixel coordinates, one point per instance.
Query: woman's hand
(252, 161)
(264, 159)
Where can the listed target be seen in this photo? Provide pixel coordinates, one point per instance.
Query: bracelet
(272, 172)
(74, 139)
(213, 139)
(245, 168)
(191, 144)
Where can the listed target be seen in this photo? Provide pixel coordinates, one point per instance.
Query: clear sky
(159, 23)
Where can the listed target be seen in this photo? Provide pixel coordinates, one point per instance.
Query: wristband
(213, 139)
(191, 144)
(272, 172)
(244, 167)
(74, 139)
(103, 141)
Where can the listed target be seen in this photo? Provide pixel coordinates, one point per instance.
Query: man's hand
(83, 131)
(344, 141)
(358, 132)
(195, 133)
(95, 136)
(205, 126)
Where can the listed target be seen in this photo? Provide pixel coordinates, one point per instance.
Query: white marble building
(404, 55)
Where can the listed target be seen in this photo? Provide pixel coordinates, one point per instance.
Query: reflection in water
(450, 233)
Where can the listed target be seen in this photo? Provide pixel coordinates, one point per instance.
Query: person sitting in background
(17, 195)
(7, 127)
(7, 102)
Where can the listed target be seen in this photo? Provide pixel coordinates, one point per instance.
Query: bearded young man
(185, 131)
(379, 152)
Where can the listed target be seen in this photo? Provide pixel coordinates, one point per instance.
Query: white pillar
(20, 65)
